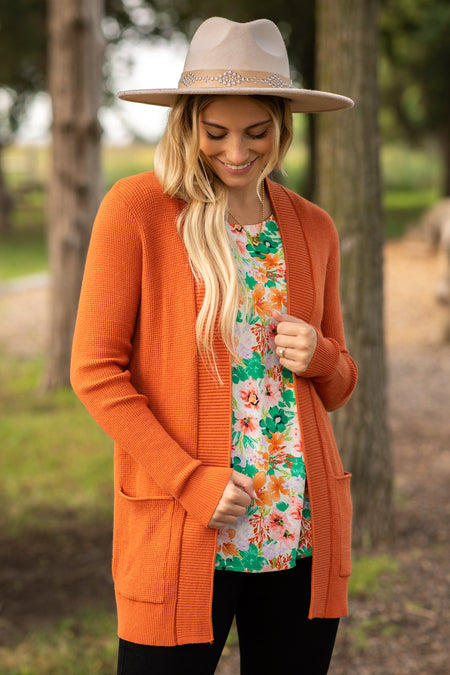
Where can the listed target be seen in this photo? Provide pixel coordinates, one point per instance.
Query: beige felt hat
(226, 57)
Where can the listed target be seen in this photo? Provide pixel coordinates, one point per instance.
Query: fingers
(244, 482)
(295, 341)
(286, 319)
(235, 500)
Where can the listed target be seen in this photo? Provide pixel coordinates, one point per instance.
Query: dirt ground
(404, 629)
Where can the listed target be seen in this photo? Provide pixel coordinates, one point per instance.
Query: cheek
(207, 147)
(269, 145)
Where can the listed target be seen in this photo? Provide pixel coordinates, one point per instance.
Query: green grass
(119, 162)
(369, 573)
(23, 252)
(83, 644)
(53, 453)
(55, 463)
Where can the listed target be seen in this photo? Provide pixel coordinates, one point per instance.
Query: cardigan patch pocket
(141, 542)
(345, 507)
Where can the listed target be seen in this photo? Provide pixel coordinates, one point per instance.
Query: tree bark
(348, 179)
(6, 201)
(444, 138)
(75, 63)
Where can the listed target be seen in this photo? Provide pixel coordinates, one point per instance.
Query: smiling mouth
(238, 167)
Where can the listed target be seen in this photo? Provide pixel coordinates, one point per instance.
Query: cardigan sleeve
(332, 370)
(101, 356)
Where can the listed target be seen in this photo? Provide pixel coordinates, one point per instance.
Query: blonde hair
(202, 223)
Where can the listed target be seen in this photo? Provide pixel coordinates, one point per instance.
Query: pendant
(256, 239)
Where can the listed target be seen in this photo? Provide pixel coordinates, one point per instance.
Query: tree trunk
(75, 62)
(308, 190)
(5, 200)
(444, 138)
(348, 179)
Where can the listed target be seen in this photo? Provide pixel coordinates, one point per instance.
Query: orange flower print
(276, 443)
(262, 307)
(246, 423)
(280, 563)
(280, 529)
(306, 533)
(270, 394)
(225, 544)
(260, 530)
(296, 508)
(271, 261)
(236, 228)
(259, 331)
(277, 486)
(277, 298)
(264, 497)
(278, 453)
(259, 480)
(250, 395)
(261, 458)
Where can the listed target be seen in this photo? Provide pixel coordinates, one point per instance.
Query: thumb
(278, 316)
(244, 482)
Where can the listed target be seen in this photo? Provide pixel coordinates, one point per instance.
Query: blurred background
(383, 173)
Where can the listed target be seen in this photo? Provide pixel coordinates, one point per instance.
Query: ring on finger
(281, 351)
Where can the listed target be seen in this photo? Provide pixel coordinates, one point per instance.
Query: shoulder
(141, 190)
(315, 221)
(135, 205)
(142, 196)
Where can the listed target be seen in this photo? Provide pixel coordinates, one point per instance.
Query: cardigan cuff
(203, 491)
(325, 359)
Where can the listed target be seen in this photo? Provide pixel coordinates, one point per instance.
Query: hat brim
(302, 100)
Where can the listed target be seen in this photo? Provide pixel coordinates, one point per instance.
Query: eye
(213, 137)
(257, 136)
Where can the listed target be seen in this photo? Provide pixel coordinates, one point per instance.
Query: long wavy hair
(202, 222)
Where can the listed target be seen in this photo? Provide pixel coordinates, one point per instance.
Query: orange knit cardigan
(136, 368)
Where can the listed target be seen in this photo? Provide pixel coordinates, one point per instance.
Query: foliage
(295, 20)
(415, 53)
(22, 57)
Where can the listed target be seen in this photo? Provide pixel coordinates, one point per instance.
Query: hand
(235, 500)
(296, 342)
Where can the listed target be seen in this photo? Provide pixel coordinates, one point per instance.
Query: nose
(237, 152)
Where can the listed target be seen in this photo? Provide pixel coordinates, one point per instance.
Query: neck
(245, 204)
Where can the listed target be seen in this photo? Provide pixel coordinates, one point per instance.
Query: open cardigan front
(136, 368)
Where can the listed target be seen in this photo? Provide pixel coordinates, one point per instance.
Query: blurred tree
(22, 75)
(415, 70)
(75, 75)
(349, 188)
(23, 66)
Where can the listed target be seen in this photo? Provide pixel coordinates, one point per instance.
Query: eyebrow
(251, 126)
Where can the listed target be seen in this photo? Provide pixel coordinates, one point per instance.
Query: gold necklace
(256, 237)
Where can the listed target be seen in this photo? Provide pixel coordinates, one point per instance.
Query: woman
(209, 345)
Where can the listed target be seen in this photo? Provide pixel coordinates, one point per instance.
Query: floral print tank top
(266, 442)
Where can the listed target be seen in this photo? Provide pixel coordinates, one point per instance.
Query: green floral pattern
(266, 441)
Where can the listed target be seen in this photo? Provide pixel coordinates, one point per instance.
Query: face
(236, 139)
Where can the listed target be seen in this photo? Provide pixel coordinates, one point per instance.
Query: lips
(238, 168)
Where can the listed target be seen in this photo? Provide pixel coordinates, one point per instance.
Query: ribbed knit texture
(135, 366)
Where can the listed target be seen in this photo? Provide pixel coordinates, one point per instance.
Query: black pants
(275, 635)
